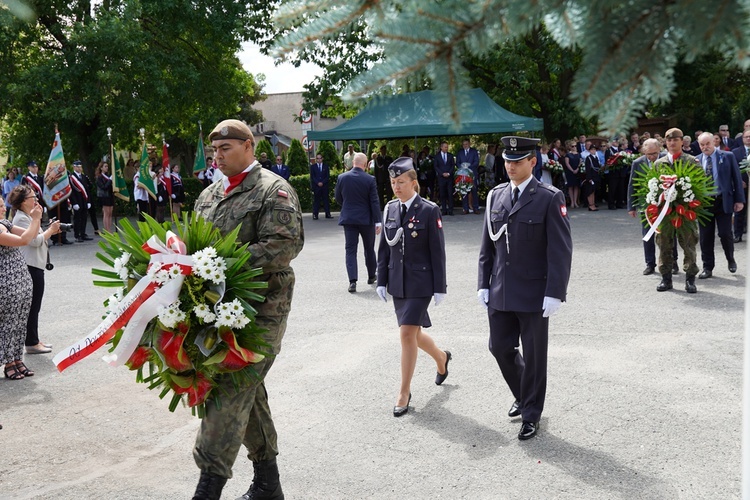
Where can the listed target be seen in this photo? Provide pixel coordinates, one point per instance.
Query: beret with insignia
(231, 129)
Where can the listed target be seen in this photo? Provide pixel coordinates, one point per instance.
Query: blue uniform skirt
(412, 311)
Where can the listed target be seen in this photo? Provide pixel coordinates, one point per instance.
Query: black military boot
(209, 487)
(690, 284)
(266, 484)
(666, 283)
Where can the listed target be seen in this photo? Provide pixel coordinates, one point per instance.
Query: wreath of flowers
(621, 160)
(464, 180)
(209, 331)
(674, 195)
(745, 166)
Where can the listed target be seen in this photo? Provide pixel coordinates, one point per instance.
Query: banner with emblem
(56, 186)
(144, 179)
(200, 157)
(119, 188)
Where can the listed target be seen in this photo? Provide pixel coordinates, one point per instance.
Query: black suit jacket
(441, 166)
(357, 194)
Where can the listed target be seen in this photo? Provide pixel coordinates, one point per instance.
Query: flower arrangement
(180, 315)
(553, 166)
(621, 160)
(674, 195)
(464, 180)
(745, 166)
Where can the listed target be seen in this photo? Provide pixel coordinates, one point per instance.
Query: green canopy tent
(420, 114)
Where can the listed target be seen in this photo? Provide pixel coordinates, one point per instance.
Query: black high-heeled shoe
(399, 411)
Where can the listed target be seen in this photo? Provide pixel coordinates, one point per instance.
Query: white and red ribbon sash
(79, 187)
(34, 185)
(106, 176)
(136, 310)
(669, 186)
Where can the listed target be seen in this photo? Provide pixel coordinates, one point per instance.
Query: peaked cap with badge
(518, 148)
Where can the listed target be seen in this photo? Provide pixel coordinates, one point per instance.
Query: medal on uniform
(414, 234)
(411, 226)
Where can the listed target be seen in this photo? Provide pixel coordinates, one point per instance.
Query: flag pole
(112, 167)
(169, 195)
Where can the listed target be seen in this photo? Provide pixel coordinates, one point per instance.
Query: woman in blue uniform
(411, 264)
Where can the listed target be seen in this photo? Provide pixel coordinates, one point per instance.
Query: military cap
(673, 133)
(231, 129)
(77, 163)
(399, 166)
(32, 163)
(518, 148)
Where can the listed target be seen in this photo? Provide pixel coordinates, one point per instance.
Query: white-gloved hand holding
(439, 297)
(88, 205)
(76, 207)
(381, 293)
(550, 306)
(483, 296)
(174, 196)
(160, 199)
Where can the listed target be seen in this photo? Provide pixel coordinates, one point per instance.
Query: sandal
(24, 369)
(12, 372)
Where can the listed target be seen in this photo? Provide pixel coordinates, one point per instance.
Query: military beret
(518, 148)
(673, 133)
(231, 129)
(32, 163)
(77, 163)
(400, 165)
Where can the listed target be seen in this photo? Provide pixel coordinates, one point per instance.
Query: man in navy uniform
(469, 155)
(319, 178)
(741, 153)
(444, 165)
(79, 197)
(524, 267)
(729, 197)
(357, 194)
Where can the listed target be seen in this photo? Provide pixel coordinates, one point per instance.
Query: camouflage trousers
(244, 417)
(688, 240)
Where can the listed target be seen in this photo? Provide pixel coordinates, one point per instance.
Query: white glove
(76, 207)
(174, 196)
(381, 293)
(439, 297)
(45, 209)
(88, 205)
(483, 296)
(550, 306)
(160, 199)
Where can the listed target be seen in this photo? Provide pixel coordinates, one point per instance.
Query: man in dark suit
(319, 177)
(727, 143)
(264, 161)
(741, 153)
(729, 198)
(651, 152)
(383, 181)
(80, 198)
(280, 169)
(357, 194)
(524, 267)
(469, 155)
(613, 177)
(445, 164)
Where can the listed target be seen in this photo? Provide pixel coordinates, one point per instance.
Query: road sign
(306, 143)
(305, 117)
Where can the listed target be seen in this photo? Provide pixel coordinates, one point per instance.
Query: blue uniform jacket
(728, 179)
(357, 193)
(415, 265)
(317, 176)
(541, 248)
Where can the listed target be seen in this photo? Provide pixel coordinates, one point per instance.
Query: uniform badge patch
(284, 217)
(414, 234)
(440, 223)
(224, 131)
(283, 193)
(563, 210)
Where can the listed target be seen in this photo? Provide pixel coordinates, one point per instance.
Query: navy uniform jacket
(472, 159)
(728, 179)
(317, 176)
(36, 183)
(357, 194)
(541, 248)
(442, 167)
(415, 265)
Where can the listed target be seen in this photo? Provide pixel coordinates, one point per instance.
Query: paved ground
(644, 395)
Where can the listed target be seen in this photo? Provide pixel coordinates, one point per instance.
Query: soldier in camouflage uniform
(269, 211)
(688, 238)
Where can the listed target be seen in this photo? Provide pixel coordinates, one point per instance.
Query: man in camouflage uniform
(269, 211)
(688, 238)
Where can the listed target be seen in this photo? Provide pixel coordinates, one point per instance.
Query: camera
(64, 227)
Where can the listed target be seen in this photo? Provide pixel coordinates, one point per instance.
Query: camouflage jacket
(269, 211)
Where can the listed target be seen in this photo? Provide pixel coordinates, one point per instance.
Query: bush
(328, 151)
(264, 146)
(297, 159)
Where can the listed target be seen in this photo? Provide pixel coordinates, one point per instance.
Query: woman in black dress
(592, 178)
(105, 195)
(411, 264)
(572, 162)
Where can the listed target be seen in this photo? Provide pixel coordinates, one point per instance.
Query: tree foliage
(263, 146)
(297, 159)
(125, 64)
(628, 50)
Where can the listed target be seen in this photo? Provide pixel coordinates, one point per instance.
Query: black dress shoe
(514, 409)
(87, 238)
(738, 239)
(352, 287)
(675, 268)
(315, 217)
(329, 216)
(706, 273)
(371, 281)
(439, 379)
(649, 270)
(66, 242)
(399, 411)
(528, 430)
(732, 266)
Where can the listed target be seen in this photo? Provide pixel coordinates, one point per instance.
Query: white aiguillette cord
(504, 229)
(399, 231)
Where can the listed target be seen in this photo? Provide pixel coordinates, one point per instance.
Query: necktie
(403, 213)
(445, 158)
(515, 196)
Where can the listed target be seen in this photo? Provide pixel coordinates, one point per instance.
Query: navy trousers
(723, 223)
(352, 233)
